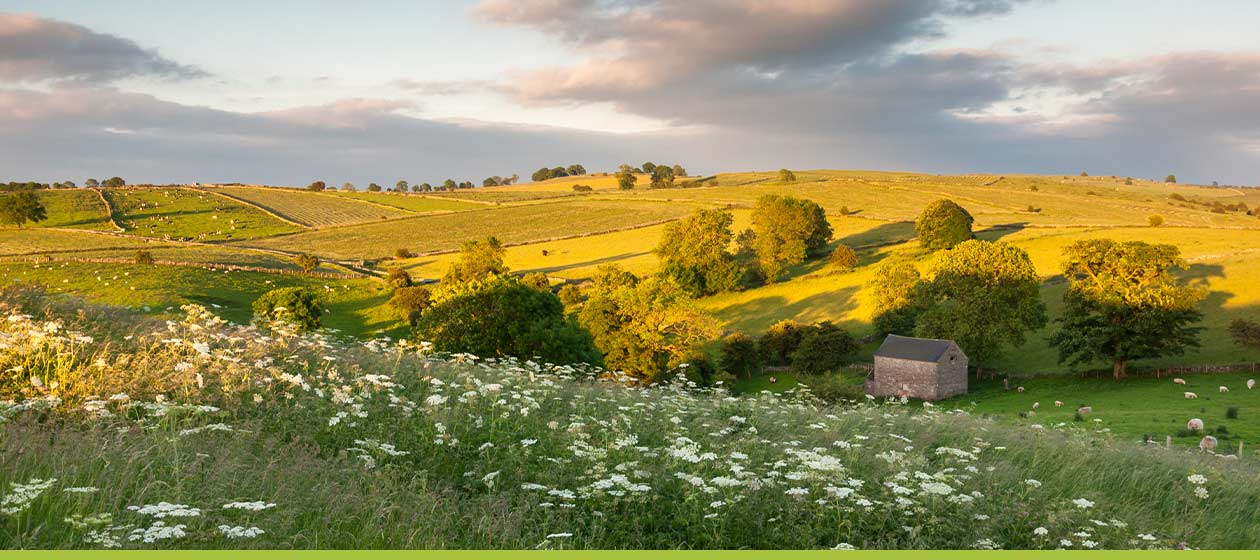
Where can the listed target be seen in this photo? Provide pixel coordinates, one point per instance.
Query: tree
(575, 170)
(1245, 333)
(780, 340)
(307, 262)
(740, 356)
(1170, 179)
(477, 259)
(91, 183)
(582, 188)
(398, 278)
(144, 257)
(490, 182)
(648, 167)
(626, 178)
(501, 316)
(373, 187)
(347, 186)
(1084, 174)
(296, 306)
(21, 207)
(678, 170)
(426, 187)
(1155, 220)
(1123, 304)
(786, 176)
(114, 182)
(542, 174)
(943, 224)
(662, 177)
(788, 231)
(844, 257)
(316, 186)
(823, 349)
(693, 253)
(400, 186)
(645, 328)
(982, 295)
(893, 288)
(411, 302)
(570, 295)
(449, 185)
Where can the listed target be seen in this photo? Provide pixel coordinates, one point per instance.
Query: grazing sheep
(1058, 403)
(1224, 389)
(1036, 405)
(1251, 384)
(1190, 395)
(1085, 409)
(1195, 425)
(1208, 443)
(1019, 389)
(1179, 381)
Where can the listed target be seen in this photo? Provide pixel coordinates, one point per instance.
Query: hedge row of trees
(545, 173)
(404, 186)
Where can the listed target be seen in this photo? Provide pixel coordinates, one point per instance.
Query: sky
(292, 92)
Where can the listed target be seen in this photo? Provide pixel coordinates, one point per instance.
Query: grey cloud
(38, 49)
(443, 87)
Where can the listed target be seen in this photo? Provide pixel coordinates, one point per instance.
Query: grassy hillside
(309, 208)
(189, 214)
(74, 208)
(287, 441)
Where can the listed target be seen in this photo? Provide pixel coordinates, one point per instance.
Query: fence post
(1167, 442)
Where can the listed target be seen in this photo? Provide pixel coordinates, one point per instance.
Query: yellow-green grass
(543, 190)
(310, 208)
(417, 203)
(353, 307)
(511, 224)
(74, 208)
(33, 241)
(189, 214)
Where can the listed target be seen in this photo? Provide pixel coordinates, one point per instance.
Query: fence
(48, 259)
(1226, 368)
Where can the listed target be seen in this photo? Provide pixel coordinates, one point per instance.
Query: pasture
(309, 209)
(74, 208)
(188, 214)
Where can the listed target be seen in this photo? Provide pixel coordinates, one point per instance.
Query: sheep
(1195, 425)
(1179, 381)
(1190, 395)
(1085, 409)
(1251, 384)
(1208, 443)
(1019, 389)
(1058, 403)
(1036, 405)
(1224, 389)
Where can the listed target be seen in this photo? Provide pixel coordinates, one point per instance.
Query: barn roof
(914, 349)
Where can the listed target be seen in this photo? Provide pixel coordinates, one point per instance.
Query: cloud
(443, 87)
(34, 49)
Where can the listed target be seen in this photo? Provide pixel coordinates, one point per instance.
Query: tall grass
(383, 444)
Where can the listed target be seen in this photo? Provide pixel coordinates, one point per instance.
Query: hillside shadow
(758, 314)
(883, 234)
(582, 264)
(998, 231)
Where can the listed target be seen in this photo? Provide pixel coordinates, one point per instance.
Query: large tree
(21, 207)
(645, 328)
(984, 296)
(626, 178)
(788, 230)
(943, 224)
(1123, 303)
(893, 288)
(693, 252)
(477, 259)
(502, 316)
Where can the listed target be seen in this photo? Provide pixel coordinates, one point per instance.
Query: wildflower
(22, 495)
(239, 532)
(166, 509)
(1033, 483)
(1200, 492)
(435, 400)
(249, 506)
(1041, 531)
(797, 492)
(1197, 479)
(558, 535)
(158, 532)
(1082, 503)
(843, 546)
(81, 489)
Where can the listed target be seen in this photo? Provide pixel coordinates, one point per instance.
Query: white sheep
(1036, 405)
(1058, 403)
(1195, 425)
(1224, 389)
(1190, 395)
(1085, 409)
(1208, 443)
(1019, 389)
(1179, 381)
(1251, 384)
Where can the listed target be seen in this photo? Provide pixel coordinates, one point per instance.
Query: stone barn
(920, 368)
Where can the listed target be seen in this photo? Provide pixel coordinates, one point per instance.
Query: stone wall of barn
(919, 380)
(953, 375)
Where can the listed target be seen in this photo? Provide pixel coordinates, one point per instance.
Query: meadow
(188, 214)
(132, 433)
(309, 209)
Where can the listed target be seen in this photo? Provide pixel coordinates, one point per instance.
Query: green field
(189, 214)
(419, 204)
(74, 208)
(309, 208)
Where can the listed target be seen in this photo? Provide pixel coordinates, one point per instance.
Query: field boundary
(109, 211)
(253, 205)
(48, 259)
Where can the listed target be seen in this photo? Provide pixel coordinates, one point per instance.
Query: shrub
(308, 263)
(780, 341)
(403, 253)
(537, 280)
(144, 257)
(844, 211)
(582, 188)
(1033, 188)
(823, 348)
(296, 306)
(1245, 333)
(740, 356)
(398, 278)
(1155, 220)
(943, 224)
(411, 302)
(835, 389)
(1231, 413)
(786, 176)
(1170, 179)
(844, 258)
(570, 295)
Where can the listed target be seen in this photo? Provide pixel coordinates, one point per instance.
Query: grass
(310, 208)
(29, 241)
(74, 208)
(378, 446)
(189, 214)
(420, 204)
(445, 232)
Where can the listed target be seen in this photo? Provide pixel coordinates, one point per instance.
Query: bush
(296, 306)
(403, 253)
(1155, 220)
(570, 295)
(582, 188)
(1231, 413)
(786, 176)
(144, 257)
(835, 389)
(844, 258)
(740, 356)
(823, 348)
(779, 342)
(1245, 333)
(308, 263)
(1033, 188)
(943, 224)
(398, 278)
(411, 302)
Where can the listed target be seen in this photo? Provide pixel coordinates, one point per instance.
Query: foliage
(21, 207)
(478, 259)
(644, 328)
(411, 302)
(570, 295)
(892, 288)
(537, 280)
(786, 176)
(662, 177)
(113, 182)
(983, 296)
(502, 316)
(1123, 304)
(317, 186)
(298, 307)
(788, 230)
(1155, 220)
(398, 278)
(823, 349)
(1245, 333)
(1170, 179)
(144, 257)
(307, 262)
(780, 341)
(582, 188)
(740, 356)
(626, 178)
(844, 257)
(403, 253)
(693, 253)
(943, 224)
